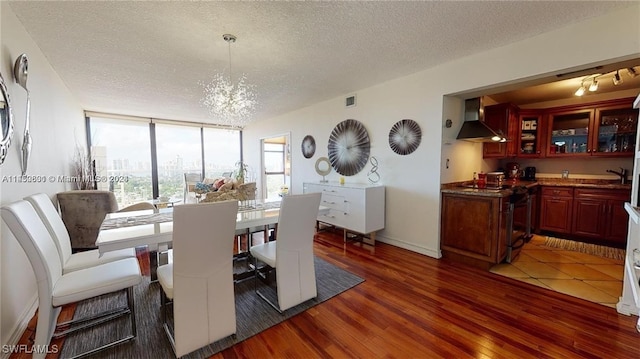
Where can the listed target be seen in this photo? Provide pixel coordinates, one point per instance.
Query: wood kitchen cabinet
(474, 229)
(615, 128)
(600, 214)
(556, 209)
(503, 119)
(606, 129)
(531, 135)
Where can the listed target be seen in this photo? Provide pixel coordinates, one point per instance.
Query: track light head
(580, 91)
(593, 86)
(632, 72)
(617, 80)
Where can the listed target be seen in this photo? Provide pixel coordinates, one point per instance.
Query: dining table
(154, 228)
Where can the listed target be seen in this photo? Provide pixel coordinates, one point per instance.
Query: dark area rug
(253, 316)
(588, 248)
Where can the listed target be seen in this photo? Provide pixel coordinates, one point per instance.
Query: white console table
(354, 207)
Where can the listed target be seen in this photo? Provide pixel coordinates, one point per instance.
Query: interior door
(276, 166)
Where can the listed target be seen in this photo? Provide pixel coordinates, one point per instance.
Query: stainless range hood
(473, 128)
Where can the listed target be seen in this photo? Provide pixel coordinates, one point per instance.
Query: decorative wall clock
(349, 147)
(405, 137)
(308, 146)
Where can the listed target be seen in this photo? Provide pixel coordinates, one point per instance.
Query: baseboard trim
(627, 308)
(410, 246)
(21, 325)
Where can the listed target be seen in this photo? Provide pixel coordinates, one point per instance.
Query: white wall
(413, 181)
(57, 120)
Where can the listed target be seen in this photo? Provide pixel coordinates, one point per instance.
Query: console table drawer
(356, 207)
(333, 201)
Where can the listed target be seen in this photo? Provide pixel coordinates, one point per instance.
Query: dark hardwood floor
(412, 305)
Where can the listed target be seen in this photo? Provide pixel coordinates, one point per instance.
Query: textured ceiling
(150, 58)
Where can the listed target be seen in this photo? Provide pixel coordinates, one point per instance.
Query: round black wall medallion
(308, 146)
(349, 147)
(405, 137)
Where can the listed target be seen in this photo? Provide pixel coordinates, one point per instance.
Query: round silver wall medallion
(405, 137)
(349, 147)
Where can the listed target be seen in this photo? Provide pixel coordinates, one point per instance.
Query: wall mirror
(6, 121)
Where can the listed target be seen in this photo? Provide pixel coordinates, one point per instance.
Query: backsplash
(591, 168)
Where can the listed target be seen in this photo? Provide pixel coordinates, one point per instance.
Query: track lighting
(591, 82)
(617, 80)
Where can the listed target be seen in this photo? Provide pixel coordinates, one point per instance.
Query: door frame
(287, 162)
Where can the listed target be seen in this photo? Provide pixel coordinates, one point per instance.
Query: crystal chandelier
(231, 104)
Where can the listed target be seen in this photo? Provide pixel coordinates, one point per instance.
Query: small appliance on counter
(495, 178)
(513, 170)
(529, 174)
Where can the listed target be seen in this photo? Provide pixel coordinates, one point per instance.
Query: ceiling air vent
(350, 101)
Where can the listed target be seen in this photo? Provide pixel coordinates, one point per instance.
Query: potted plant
(240, 172)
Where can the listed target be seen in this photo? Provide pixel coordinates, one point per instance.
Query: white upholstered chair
(54, 224)
(200, 279)
(56, 289)
(291, 254)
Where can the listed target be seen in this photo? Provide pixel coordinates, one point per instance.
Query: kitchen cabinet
(600, 129)
(568, 133)
(556, 208)
(600, 214)
(354, 207)
(615, 128)
(474, 229)
(531, 134)
(503, 119)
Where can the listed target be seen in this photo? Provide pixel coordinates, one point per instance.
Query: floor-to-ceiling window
(221, 151)
(122, 153)
(179, 151)
(123, 149)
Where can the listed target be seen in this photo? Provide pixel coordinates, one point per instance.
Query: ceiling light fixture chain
(230, 103)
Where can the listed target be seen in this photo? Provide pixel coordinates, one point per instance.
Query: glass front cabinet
(608, 130)
(615, 131)
(531, 130)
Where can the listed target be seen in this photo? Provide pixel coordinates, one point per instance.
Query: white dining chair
(54, 224)
(291, 254)
(56, 289)
(200, 279)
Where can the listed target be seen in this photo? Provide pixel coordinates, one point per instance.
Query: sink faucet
(622, 174)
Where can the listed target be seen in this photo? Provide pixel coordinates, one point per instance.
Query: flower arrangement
(284, 190)
(82, 170)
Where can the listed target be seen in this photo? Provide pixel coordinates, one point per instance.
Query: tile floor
(593, 278)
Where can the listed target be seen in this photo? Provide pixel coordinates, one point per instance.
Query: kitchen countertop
(584, 183)
(507, 188)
